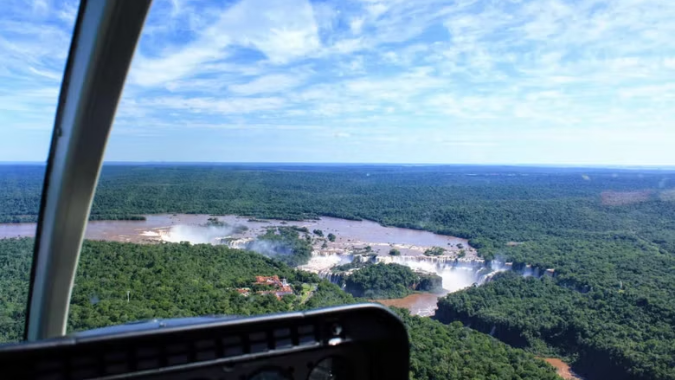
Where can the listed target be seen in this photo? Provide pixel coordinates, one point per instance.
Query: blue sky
(423, 81)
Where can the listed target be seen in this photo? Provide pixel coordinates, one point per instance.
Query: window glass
(34, 41)
(505, 167)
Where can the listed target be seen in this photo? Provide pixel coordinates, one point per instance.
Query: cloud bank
(468, 81)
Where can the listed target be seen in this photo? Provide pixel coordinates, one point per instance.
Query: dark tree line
(453, 351)
(285, 244)
(389, 281)
(602, 331)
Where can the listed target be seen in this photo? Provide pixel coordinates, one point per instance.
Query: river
(348, 232)
(422, 304)
(350, 236)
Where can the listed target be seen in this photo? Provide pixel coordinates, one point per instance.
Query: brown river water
(347, 231)
(422, 304)
(350, 235)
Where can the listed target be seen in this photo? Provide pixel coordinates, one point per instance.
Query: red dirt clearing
(562, 368)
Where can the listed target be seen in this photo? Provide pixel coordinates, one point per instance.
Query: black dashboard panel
(348, 342)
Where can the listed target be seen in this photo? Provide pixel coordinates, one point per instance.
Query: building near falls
(281, 286)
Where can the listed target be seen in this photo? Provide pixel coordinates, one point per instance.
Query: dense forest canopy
(163, 281)
(476, 202)
(609, 235)
(389, 281)
(172, 280)
(15, 262)
(610, 333)
(285, 244)
(453, 351)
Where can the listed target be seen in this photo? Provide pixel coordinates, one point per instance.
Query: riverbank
(420, 304)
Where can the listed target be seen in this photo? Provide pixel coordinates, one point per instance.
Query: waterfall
(334, 278)
(460, 273)
(241, 243)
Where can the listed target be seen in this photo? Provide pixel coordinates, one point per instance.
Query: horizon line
(550, 165)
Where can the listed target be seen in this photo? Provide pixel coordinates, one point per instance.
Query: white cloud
(355, 66)
(348, 46)
(398, 88)
(214, 105)
(356, 25)
(659, 92)
(34, 42)
(376, 69)
(40, 6)
(151, 72)
(377, 9)
(267, 84)
(68, 13)
(31, 100)
(284, 31)
(46, 73)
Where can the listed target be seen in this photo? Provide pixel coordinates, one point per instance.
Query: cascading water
(322, 265)
(241, 243)
(193, 234)
(457, 274)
